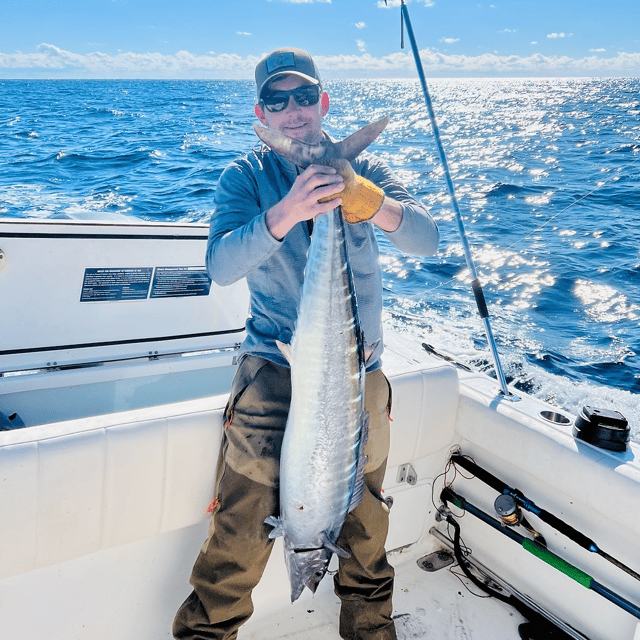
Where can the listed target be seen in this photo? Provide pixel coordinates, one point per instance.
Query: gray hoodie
(241, 246)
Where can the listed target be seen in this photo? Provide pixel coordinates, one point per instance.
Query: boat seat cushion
(423, 413)
(72, 488)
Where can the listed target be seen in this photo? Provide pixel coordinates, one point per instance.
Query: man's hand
(306, 199)
(361, 199)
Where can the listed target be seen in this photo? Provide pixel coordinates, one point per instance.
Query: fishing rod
(536, 549)
(541, 622)
(475, 283)
(553, 521)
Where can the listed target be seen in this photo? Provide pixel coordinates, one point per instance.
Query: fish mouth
(306, 569)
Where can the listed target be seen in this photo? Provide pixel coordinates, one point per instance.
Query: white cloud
(243, 33)
(360, 25)
(361, 45)
(556, 35)
(601, 50)
(440, 65)
(51, 61)
(449, 40)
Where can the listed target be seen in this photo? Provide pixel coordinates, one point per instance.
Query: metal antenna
(477, 287)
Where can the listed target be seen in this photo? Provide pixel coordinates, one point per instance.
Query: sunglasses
(306, 96)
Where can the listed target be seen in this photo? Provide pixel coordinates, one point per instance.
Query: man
(261, 230)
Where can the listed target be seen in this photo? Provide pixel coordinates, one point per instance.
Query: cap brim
(282, 74)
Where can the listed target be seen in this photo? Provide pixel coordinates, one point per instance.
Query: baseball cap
(283, 62)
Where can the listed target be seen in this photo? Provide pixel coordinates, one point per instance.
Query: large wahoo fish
(322, 458)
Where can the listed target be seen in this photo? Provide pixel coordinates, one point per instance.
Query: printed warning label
(178, 282)
(140, 283)
(106, 285)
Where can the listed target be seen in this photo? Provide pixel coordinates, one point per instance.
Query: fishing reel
(508, 511)
(511, 515)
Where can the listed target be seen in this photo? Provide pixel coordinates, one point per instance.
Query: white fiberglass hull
(102, 512)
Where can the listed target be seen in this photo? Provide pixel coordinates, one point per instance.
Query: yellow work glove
(361, 199)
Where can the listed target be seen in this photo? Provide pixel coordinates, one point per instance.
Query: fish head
(306, 569)
(326, 152)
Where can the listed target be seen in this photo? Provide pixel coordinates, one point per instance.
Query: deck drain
(435, 561)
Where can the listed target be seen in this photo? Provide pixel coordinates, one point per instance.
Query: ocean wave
(501, 189)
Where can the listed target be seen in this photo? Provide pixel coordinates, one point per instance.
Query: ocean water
(547, 173)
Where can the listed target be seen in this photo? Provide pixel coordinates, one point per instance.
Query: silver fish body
(322, 460)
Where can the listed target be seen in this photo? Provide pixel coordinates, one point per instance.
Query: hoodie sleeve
(239, 240)
(418, 232)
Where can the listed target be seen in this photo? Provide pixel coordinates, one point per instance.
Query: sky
(224, 39)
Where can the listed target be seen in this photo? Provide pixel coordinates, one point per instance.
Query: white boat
(117, 354)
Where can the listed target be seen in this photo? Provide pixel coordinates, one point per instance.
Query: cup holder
(555, 417)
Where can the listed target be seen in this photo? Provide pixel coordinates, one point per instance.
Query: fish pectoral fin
(332, 546)
(286, 350)
(369, 349)
(276, 523)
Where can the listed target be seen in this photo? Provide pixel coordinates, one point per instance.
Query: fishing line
(448, 467)
(575, 202)
(619, 174)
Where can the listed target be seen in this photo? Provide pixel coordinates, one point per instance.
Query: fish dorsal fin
(359, 485)
(286, 350)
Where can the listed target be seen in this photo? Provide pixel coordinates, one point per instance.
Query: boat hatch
(133, 301)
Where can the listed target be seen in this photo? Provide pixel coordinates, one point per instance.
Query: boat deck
(426, 606)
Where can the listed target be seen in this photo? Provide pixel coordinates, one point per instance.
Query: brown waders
(234, 556)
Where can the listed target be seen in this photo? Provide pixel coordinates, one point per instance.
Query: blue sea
(547, 174)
